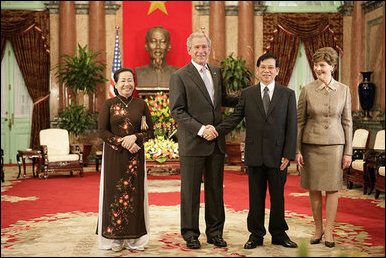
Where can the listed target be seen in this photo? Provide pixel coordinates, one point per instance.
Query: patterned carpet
(48, 227)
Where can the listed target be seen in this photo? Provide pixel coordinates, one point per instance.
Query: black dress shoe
(317, 240)
(193, 243)
(329, 244)
(284, 242)
(253, 243)
(217, 241)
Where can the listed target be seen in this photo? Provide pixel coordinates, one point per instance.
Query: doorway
(16, 108)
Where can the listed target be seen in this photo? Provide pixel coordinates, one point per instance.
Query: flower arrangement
(164, 124)
(161, 149)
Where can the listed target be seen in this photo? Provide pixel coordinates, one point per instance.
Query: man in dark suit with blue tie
(196, 95)
(270, 113)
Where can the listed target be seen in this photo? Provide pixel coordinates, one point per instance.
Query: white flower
(161, 148)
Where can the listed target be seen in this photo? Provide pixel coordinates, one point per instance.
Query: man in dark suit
(196, 94)
(270, 112)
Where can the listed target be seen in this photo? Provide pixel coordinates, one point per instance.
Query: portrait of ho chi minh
(156, 75)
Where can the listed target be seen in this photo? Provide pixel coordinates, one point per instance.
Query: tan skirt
(322, 170)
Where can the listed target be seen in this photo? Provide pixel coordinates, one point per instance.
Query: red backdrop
(137, 21)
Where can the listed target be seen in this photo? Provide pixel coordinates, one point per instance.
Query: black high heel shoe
(317, 240)
(329, 244)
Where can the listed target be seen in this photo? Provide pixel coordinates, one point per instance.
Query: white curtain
(302, 72)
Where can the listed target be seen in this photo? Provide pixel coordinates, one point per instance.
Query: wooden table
(172, 166)
(36, 157)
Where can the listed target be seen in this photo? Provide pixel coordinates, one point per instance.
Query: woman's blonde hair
(327, 54)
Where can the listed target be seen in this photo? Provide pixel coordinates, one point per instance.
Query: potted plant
(76, 120)
(237, 76)
(81, 72)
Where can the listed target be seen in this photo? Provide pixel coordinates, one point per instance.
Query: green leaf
(75, 119)
(161, 159)
(81, 72)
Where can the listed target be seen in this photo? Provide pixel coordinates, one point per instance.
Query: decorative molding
(231, 9)
(111, 7)
(369, 6)
(260, 8)
(82, 8)
(347, 8)
(202, 8)
(52, 6)
(370, 24)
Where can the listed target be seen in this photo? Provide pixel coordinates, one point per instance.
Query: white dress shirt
(271, 88)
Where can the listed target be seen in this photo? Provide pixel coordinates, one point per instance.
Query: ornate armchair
(356, 173)
(376, 164)
(56, 155)
(380, 175)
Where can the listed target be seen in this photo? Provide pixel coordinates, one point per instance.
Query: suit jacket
(324, 117)
(268, 137)
(191, 107)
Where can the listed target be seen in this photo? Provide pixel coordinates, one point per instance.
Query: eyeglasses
(269, 68)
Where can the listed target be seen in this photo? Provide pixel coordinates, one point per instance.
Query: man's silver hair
(197, 35)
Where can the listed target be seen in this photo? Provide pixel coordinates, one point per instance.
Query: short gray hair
(197, 35)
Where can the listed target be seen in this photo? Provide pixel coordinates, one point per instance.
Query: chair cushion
(381, 171)
(56, 140)
(379, 143)
(69, 157)
(360, 138)
(358, 164)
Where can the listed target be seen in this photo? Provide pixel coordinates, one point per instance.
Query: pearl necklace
(126, 105)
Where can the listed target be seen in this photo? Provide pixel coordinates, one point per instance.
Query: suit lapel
(196, 78)
(259, 100)
(275, 98)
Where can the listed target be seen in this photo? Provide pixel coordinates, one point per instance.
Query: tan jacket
(324, 115)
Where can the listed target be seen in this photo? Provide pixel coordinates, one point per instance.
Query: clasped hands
(209, 133)
(129, 143)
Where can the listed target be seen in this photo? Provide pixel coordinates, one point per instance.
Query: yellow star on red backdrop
(154, 5)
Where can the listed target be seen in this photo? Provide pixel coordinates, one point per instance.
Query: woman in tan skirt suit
(324, 143)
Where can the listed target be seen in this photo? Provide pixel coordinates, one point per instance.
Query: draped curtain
(283, 32)
(28, 32)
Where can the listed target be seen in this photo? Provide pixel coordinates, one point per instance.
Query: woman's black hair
(116, 76)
